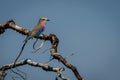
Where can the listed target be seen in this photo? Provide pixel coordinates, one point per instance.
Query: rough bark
(50, 37)
(45, 67)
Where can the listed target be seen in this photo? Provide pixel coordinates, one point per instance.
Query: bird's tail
(20, 53)
(27, 38)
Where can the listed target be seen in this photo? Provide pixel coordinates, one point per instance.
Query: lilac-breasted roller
(36, 31)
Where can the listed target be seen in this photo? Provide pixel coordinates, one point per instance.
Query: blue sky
(91, 28)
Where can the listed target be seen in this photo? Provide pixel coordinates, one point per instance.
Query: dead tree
(53, 50)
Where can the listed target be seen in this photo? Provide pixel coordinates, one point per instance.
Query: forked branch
(50, 37)
(45, 67)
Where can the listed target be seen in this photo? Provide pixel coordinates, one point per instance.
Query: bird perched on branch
(36, 31)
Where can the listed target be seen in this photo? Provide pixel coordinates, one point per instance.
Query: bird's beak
(48, 20)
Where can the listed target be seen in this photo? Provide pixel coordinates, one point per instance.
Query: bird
(36, 32)
(38, 29)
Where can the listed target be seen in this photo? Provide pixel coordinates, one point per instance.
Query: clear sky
(91, 28)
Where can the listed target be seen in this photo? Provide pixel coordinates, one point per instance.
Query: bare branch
(2, 75)
(45, 67)
(50, 37)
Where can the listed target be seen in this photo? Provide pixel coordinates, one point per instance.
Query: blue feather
(40, 31)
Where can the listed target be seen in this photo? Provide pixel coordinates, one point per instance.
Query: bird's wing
(36, 29)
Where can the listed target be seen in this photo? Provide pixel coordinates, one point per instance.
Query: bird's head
(44, 19)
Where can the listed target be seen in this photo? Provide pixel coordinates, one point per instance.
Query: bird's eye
(43, 19)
